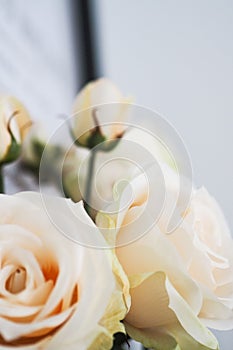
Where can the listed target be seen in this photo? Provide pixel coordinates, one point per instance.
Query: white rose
(115, 166)
(107, 166)
(54, 293)
(14, 125)
(180, 282)
(88, 118)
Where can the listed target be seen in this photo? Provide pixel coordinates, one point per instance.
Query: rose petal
(214, 313)
(151, 297)
(152, 338)
(185, 341)
(11, 330)
(188, 320)
(159, 255)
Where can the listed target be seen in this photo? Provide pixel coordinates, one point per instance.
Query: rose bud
(14, 125)
(95, 123)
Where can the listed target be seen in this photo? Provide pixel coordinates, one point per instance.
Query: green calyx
(13, 152)
(96, 139)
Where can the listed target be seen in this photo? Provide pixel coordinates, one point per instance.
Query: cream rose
(180, 282)
(115, 166)
(14, 125)
(54, 293)
(87, 116)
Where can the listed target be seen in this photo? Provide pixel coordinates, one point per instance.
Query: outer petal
(165, 332)
(190, 323)
(185, 341)
(152, 338)
(155, 253)
(214, 313)
(173, 337)
(116, 309)
(150, 302)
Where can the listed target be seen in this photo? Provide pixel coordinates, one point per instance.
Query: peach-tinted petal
(154, 253)
(151, 297)
(12, 330)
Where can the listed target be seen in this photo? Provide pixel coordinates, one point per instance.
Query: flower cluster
(76, 271)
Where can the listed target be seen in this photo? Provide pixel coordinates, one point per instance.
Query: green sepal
(99, 141)
(95, 139)
(13, 152)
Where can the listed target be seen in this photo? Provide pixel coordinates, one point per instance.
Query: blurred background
(175, 57)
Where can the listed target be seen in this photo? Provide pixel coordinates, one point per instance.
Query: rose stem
(90, 171)
(1, 180)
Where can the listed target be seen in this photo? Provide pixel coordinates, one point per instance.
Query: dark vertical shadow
(85, 40)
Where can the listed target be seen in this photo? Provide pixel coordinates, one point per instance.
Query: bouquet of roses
(127, 247)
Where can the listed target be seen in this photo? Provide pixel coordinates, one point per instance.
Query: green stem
(1, 180)
(90, 173)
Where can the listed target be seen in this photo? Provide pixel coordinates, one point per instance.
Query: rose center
(17, 281)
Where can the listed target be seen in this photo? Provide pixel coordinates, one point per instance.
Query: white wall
(37, 62)
(177, 58)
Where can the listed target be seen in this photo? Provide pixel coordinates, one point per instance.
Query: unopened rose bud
(94, 124)
(14, 125)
